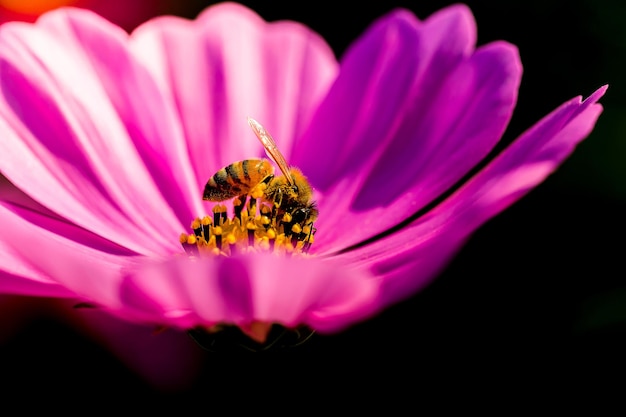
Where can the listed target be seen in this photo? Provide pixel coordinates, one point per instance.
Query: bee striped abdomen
(236, 179)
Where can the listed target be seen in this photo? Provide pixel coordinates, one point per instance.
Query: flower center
(255, 226)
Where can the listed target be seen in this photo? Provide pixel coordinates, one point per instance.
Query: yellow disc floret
(254, 226)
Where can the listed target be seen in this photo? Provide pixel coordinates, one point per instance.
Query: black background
(541, 284)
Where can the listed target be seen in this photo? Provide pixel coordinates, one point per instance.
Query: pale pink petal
(74, 140)
(17, 277)
(411, 257)
(19, 204)
(227, 65)
(186, 292)
(149, 118)
(413, 110)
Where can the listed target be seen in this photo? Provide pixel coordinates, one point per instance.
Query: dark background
(541, 284)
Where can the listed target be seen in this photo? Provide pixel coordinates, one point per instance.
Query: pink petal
(77, 111)
(29, 281)
(241, 290)
(227, 65)
(413, 110)
(45, 256)
(17, 277)
(409, 259)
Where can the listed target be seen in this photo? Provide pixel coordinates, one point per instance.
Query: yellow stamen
(231, 239)
(254, 226)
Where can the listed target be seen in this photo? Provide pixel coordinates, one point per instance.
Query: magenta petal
(410, 258)
(230, 64)
(242, 290)
(413, 110)
(379, 75)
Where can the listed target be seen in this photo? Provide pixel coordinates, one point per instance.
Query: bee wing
(270, 148)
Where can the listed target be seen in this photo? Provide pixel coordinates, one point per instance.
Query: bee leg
(278, 219)
(307, 241)
(241, 203)
(252, 207)
(276, 200)
(279, 199)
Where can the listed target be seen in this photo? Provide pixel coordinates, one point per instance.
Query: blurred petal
(230, 64)
(413, 110)
(410, 258)
(30, 282)
(241, 290)
(169, 360)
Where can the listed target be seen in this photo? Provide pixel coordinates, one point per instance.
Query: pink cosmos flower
(108, 141)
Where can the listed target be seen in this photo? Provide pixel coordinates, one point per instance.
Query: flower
(123, 13)
(32, 7)
(108, 141)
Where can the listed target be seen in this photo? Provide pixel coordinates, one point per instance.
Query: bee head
(300, 215)
(301, 189)
(306, 214)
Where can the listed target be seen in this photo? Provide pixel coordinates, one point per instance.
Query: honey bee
(290, 193)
